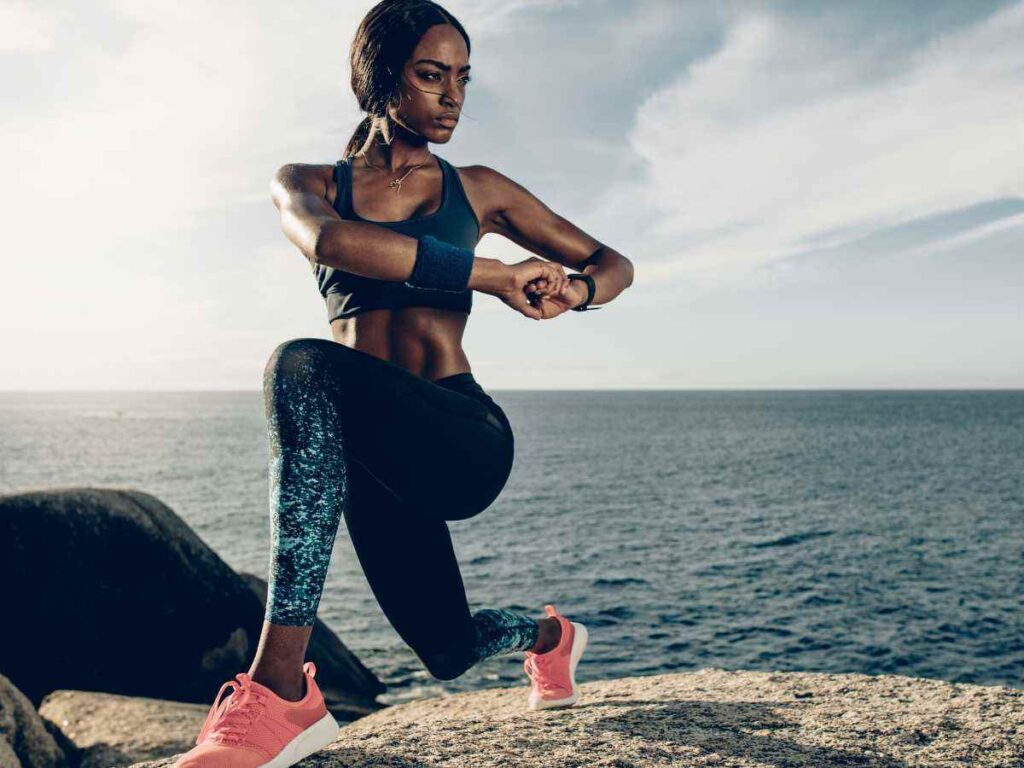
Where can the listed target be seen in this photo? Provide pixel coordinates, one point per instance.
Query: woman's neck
(404, 151)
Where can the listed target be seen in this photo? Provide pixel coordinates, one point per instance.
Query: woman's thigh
(422, 441)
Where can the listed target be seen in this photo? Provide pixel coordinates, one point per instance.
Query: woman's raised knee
(295, 359)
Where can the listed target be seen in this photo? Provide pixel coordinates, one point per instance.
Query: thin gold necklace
(395, 184)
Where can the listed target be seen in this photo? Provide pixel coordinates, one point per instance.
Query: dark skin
(426, 340)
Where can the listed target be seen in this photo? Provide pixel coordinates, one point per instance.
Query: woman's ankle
(549, 634)
(290, 685)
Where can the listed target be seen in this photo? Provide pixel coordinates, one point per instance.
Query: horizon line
(795, 388)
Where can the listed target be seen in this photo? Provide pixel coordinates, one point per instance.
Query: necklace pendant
(395, 184)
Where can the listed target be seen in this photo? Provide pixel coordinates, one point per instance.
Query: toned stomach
(423, 340)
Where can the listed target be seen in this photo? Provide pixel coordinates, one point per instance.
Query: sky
(813, 194)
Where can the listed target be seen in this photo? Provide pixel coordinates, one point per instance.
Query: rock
(711, 717)
(24, 739)
(118, 594)
(111, 730)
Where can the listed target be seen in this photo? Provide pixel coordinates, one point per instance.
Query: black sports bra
(454, 221)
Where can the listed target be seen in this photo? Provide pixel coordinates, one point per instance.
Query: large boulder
(706, 718)
(109, 590)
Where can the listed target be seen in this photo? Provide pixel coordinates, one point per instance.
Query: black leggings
(397, 455)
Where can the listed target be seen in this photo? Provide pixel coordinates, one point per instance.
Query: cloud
(486, 17)
(1012, 223)
(140, 194)
(192, 115)
(142, 248)
(781, 136)
(174, 123)
(26, 29)
(182, 121)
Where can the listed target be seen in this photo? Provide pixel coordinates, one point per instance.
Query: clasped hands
(541, 289)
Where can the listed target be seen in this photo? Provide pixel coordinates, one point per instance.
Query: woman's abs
(423, 340)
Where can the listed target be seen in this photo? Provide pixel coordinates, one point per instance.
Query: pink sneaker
(553, 674)
(255, 728)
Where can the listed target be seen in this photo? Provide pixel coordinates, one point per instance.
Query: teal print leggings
(397, 455)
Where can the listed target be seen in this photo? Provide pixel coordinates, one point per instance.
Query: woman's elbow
(319, 247)
(625, 267)
(326, 245)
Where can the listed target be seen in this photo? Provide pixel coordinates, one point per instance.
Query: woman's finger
(531, 311)
(559, 277)
(523, 305)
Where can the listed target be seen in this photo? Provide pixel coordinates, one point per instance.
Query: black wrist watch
(585, 306)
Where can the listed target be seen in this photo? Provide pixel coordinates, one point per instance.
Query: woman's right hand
(524, 273)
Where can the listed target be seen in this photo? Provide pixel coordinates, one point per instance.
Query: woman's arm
(300, 193)
(510, 210)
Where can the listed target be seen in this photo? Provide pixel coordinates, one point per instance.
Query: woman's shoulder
(307, 172)
(492, 191)
(480, 174)
(309, 177)
(312, 178)
(486, 184)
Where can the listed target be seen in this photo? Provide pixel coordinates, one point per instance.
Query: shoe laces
(537, 667)
(231, 718)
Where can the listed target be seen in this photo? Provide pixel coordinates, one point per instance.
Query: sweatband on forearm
(440, 266)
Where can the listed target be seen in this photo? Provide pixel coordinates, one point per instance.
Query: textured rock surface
(24, 739)
(710, 717)
(111, 730)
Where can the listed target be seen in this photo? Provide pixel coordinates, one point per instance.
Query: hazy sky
(813, 194)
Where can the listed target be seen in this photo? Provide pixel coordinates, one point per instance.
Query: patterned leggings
(397, 455)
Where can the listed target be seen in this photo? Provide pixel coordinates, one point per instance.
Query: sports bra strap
(340, 190)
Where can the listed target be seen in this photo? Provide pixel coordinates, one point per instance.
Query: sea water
(875, 532)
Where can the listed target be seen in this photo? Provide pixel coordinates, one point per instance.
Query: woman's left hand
(554, 304)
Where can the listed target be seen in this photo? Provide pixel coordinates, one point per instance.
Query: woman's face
(434, 85)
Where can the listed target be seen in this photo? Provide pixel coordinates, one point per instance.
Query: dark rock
(24, 740)
(109, 590)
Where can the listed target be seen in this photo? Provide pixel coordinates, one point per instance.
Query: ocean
(834, 531)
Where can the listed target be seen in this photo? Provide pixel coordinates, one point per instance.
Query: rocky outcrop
(711, 717)
(122, 625)
(109, 590)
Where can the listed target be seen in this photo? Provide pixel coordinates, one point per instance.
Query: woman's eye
(431, 75)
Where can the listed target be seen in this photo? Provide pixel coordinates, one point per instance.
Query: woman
(386, 425)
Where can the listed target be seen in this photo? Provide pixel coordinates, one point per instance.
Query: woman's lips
(447, 122)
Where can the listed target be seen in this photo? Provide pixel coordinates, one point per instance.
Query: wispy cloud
(185, 113)
(182, 122)
(487, 17)
(700, 138)
(781, 136)
(27, 28)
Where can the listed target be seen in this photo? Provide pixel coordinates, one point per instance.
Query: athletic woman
(385, 424)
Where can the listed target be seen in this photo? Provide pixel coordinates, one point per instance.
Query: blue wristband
(440, 266)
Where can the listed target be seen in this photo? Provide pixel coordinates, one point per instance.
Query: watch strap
(591, 289)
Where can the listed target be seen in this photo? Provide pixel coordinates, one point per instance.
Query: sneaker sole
(316, 737)
(579, 643)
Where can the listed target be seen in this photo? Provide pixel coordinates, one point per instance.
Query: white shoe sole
(316, 737)
(579, 642)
